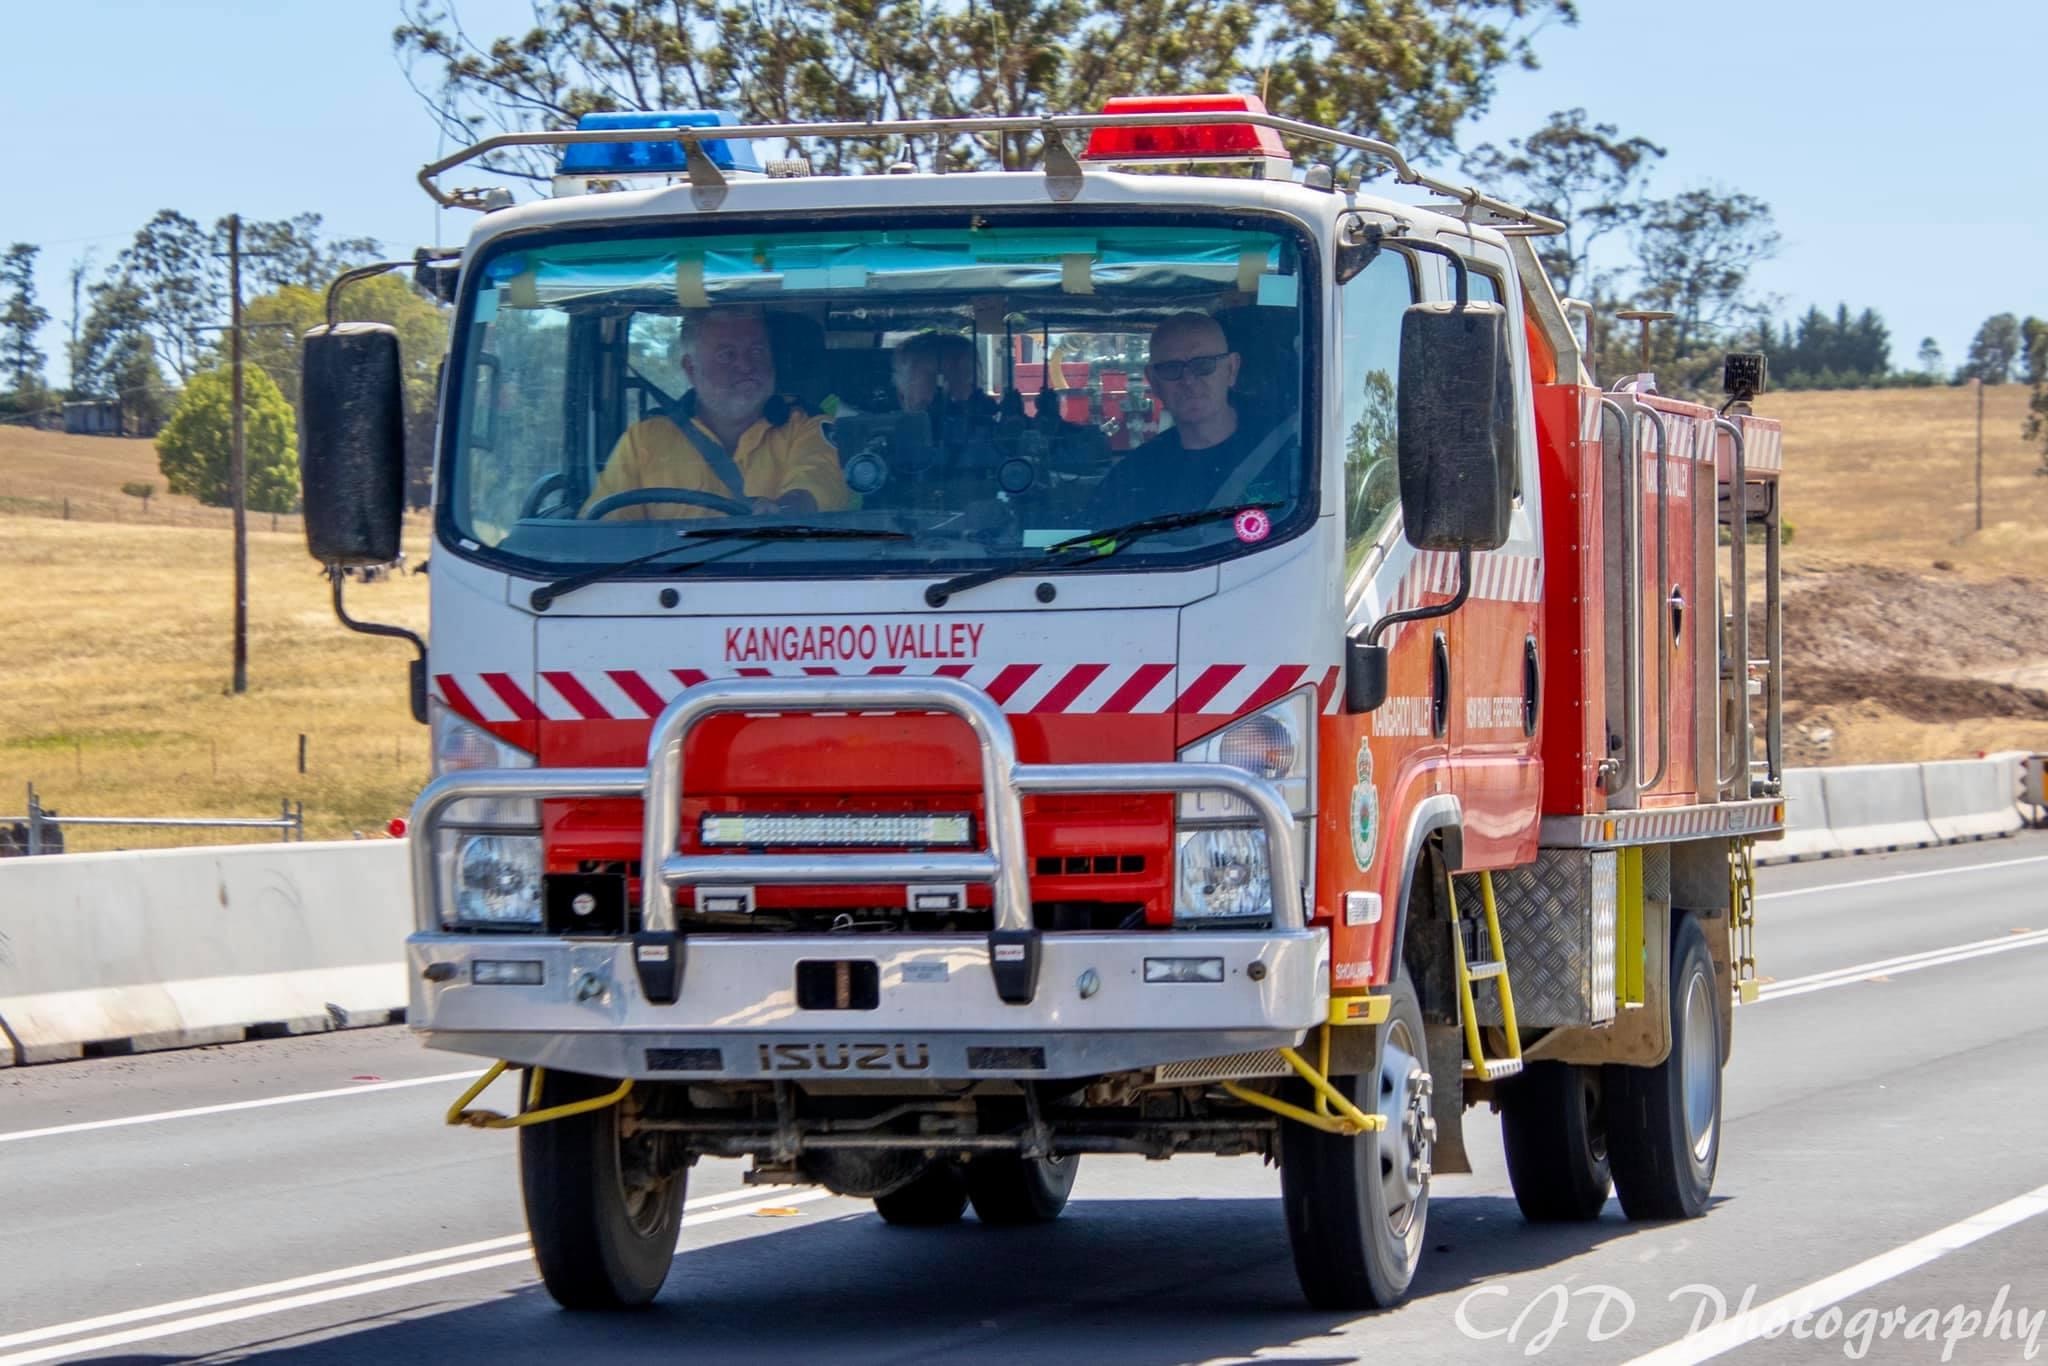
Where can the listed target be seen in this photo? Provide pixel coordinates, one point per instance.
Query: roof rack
(1062, 171)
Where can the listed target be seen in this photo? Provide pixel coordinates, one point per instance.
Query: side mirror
(352, 443)
(1365, 673)
(1456, 426)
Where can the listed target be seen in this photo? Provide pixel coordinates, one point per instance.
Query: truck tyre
(1664, 1122)
(1009, 1190)
(937, 1195)
(1554, 1127)
(1357, 1207)
(604, 1226)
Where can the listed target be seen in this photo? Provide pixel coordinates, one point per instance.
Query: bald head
(1191, 369)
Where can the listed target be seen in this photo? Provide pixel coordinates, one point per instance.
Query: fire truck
(1267, 699)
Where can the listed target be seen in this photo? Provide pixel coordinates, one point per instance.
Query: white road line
(1811, 1299)
(1892, 967)
(345, 1273)
(1901, 877)
(159, 1116)
(288, 1302)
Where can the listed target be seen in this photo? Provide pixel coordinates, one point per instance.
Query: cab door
(1494, 643)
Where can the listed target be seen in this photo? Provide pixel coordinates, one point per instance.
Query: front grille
(1090, 865)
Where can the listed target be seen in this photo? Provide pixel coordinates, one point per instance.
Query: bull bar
(669, 1006)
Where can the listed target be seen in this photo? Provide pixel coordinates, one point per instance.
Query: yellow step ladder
(1495, 970)
(1742, 905)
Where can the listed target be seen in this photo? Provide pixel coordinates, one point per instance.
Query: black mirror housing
(352, 443)
(1456, 443)
(1365, 674)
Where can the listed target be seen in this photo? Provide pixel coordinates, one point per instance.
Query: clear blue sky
(1891, 138)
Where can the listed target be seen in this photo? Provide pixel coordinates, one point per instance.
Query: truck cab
(936, 675)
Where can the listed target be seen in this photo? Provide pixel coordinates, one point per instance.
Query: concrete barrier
(1807, 832)
(1972, 799)
(167, 948)
(1877, 806)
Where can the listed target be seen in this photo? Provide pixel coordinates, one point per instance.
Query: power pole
(238, 473)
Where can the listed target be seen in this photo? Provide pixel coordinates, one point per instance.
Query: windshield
(986, 390)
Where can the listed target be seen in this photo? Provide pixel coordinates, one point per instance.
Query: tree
(1586, 175)
(2034, 367)
(1993, 350)
(291, 251)
(1930, 356)
(284, 316)
(172, 264)
(1404, 70)
(1695, 251)
(140, 488)
(21, 319)
(194, 450)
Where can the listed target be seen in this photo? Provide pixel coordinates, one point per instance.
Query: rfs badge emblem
(1365, 812)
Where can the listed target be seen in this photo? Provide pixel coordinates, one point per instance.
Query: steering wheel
(537, 496)
(626, 498)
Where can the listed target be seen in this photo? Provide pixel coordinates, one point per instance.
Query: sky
(1887, 136)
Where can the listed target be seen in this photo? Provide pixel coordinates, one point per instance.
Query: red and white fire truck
(1391, 741)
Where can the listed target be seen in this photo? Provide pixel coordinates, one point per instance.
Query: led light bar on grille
(914, 829)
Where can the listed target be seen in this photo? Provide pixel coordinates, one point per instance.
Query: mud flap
(1447, 1100)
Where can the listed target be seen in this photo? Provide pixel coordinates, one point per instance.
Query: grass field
(1886, 477)
(115, 659)
(115, 625)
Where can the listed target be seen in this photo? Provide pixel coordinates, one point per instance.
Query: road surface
(1883, 1157)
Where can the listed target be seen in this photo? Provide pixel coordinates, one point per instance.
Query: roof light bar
(657, 155)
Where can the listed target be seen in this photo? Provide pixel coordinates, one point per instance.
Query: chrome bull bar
(1014, 946)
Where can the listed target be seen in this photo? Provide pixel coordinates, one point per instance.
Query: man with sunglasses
(1212, 455)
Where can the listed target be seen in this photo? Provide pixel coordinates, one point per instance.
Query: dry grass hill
(1912, 634)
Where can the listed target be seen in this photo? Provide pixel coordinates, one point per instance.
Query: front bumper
(938, 1017)
(1016, 1003)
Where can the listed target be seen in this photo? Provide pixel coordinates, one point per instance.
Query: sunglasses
(1201, 367)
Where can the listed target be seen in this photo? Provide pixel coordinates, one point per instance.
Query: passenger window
(1373, 303)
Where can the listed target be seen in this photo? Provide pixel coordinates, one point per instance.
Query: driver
(732, 436)
(1214, 455)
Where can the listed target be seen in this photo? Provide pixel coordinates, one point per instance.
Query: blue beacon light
(659, 156)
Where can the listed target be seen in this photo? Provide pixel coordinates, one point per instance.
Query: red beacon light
(1124, 145)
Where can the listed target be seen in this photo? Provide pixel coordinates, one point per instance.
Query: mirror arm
(419, 262)
(1442, 609)
(1458, 267)
(418, 668)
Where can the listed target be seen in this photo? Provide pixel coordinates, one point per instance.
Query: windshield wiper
(1093, 545)
(545, 595)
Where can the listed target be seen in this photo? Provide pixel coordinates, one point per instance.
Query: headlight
(461, 745)
(497, 880)
(1224, 875)
(1277, 744)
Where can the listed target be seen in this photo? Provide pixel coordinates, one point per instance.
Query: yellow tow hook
(491, 1119)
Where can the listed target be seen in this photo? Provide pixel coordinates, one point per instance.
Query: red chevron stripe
(1134, 690)
(454, 696)
(1275, 687)
(636, 688)
(1070, 687)
(1326, 688)
(513, 696)
(1006, 683)
(689, 678)
(1203, 690)
(577, 696)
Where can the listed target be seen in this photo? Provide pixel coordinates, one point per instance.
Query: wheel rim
(1699, 1067)
(1406, 1146)
(643, 1198)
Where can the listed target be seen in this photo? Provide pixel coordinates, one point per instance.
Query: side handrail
(1663, 611)
(1048, 125)
(1628, 789)
(1738, 571)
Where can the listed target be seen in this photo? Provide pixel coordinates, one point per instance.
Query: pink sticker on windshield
(1253, 526)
